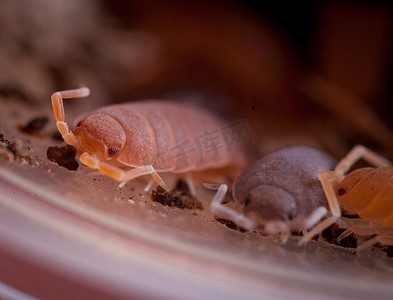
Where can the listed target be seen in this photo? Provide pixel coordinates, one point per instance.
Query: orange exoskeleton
(367, 192)
(126, 141)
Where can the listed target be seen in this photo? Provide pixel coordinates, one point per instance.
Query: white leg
(191, 185)
(329, 181)
(157, 178)
(386, 240)
(315, 216)
(359, 152)
(149, 185)
(220, 210)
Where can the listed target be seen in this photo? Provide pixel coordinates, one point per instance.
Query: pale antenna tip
(85, 91)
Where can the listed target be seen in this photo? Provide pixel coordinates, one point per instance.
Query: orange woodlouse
(125, 141)
(367, 192)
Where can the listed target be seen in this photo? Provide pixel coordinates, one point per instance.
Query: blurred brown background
(319, 74)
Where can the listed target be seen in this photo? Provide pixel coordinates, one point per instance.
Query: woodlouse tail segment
(58, 110)
(220, 210)
(359, 152)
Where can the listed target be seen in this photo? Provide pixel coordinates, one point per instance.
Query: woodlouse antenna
(58, 110)
(360, 152)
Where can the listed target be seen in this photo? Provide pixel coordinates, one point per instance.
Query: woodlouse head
(355, 190)
(271, 203)
(100, 134)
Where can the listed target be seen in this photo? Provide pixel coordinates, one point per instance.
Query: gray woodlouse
(367, 192)
(126, 141)
(280, 191)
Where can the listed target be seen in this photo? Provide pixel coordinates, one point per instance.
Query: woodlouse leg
(118, 173)
(58, 110)
(357, 226)
(386, 240)
(158, 178)
(344, 235)
(220, 210)
(361, 227)
(359, 152)
(105, 168)
(329, 181)
(315, 216)
(149, 185)
(132, 174)
(191, 185)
